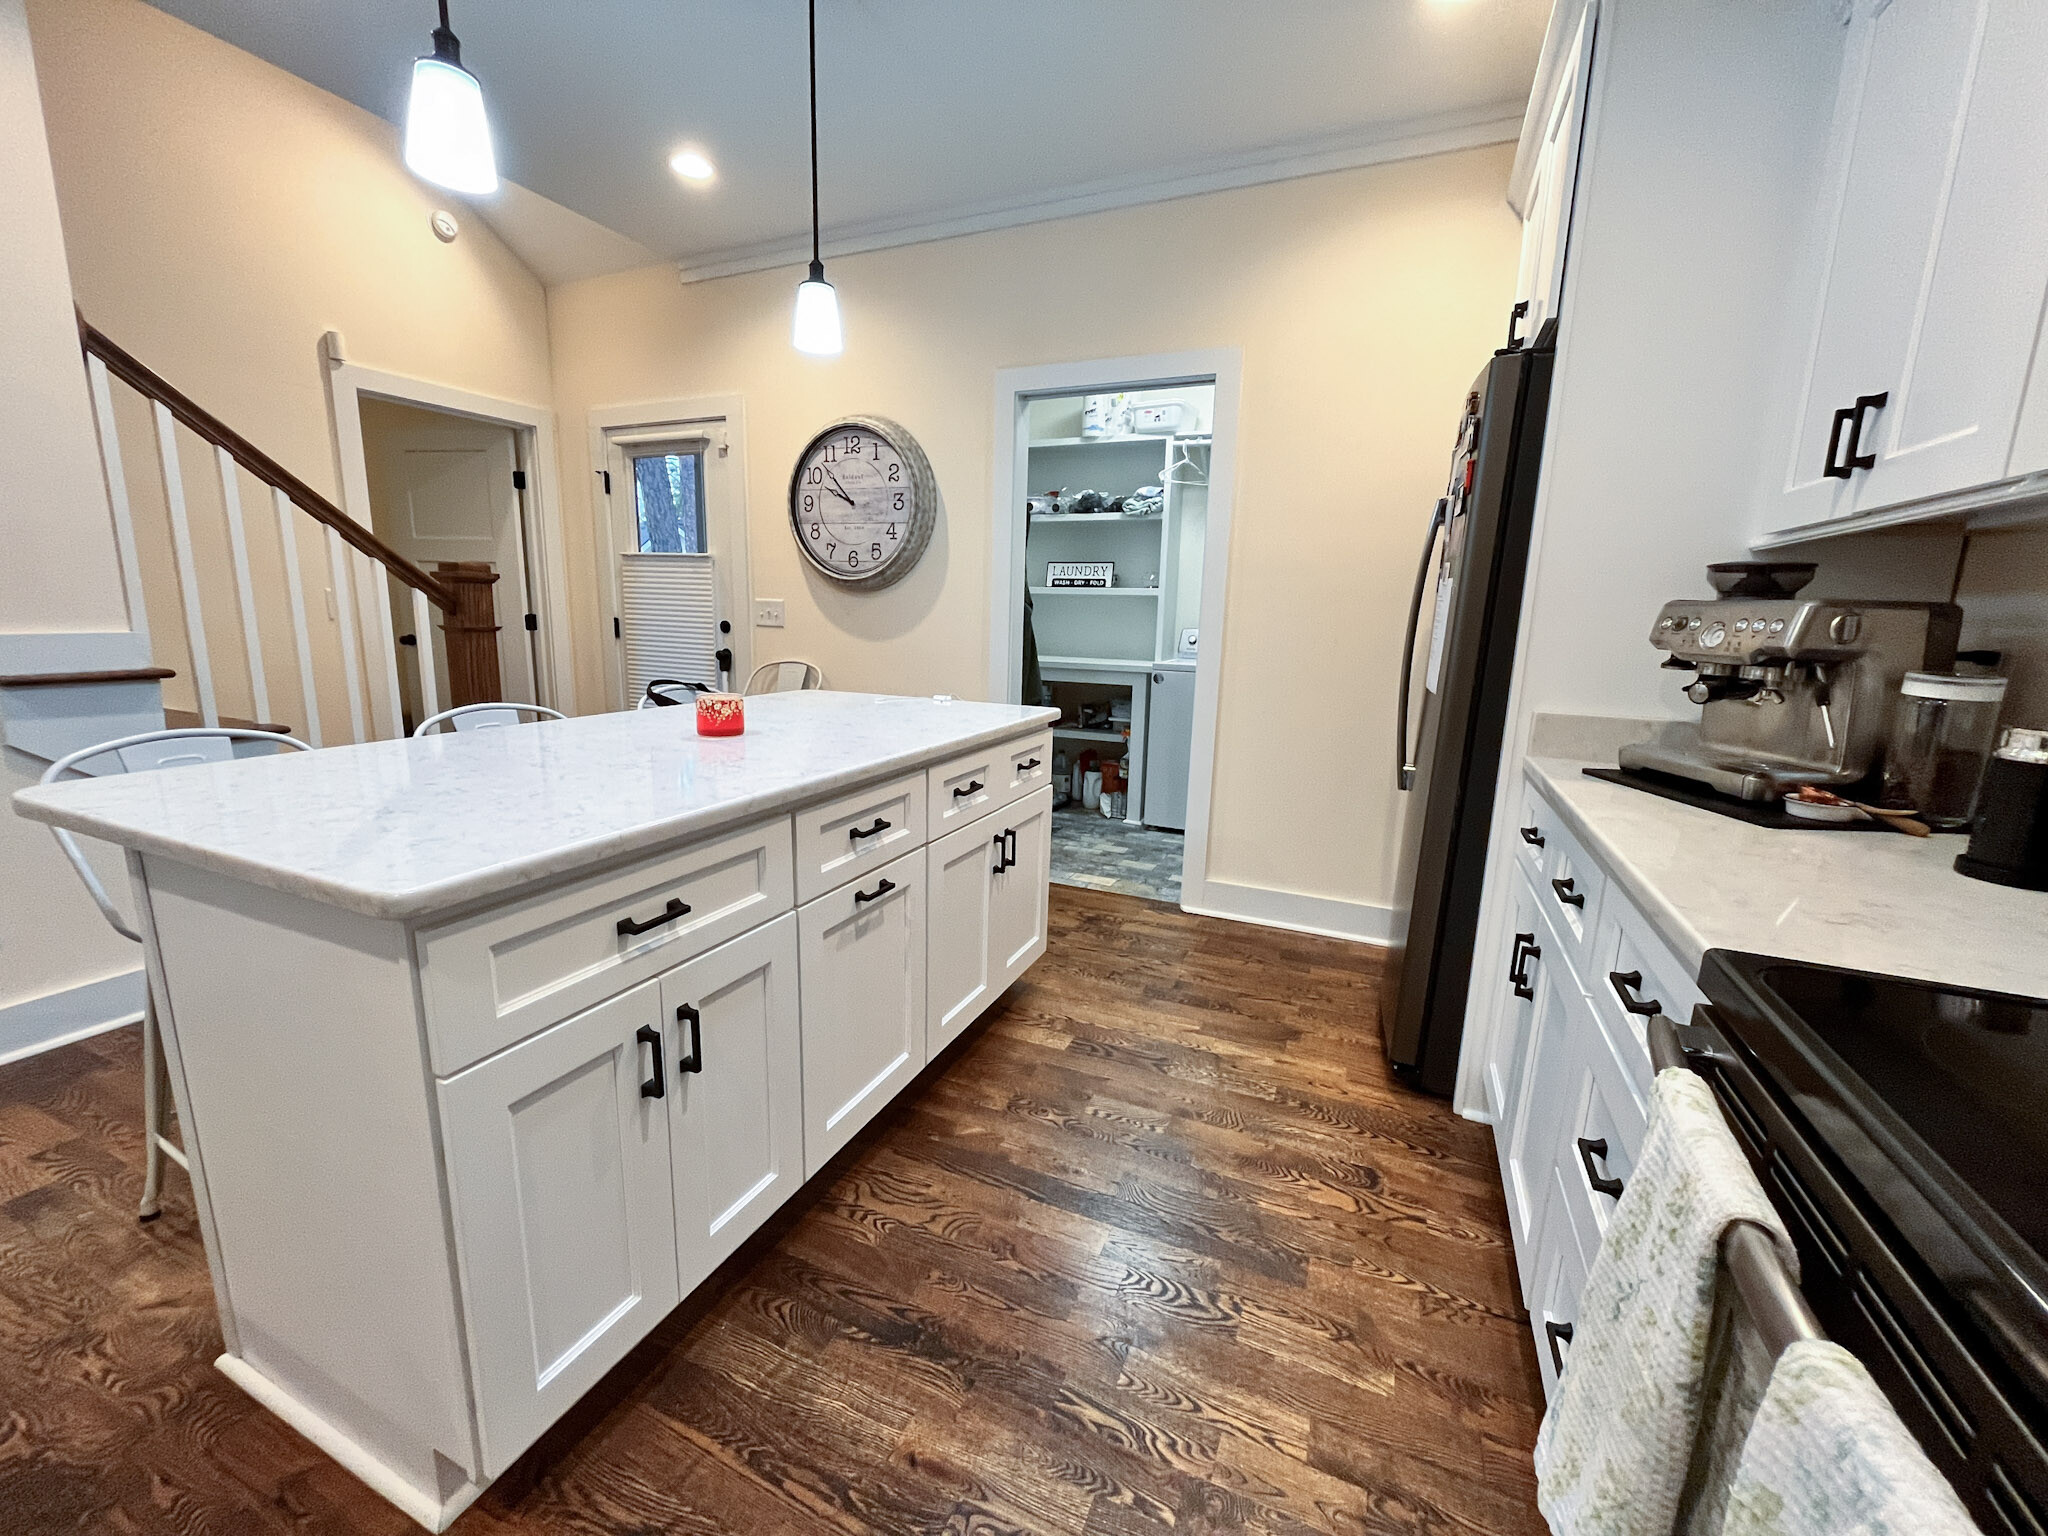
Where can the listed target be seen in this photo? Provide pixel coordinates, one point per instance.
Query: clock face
(862, 502)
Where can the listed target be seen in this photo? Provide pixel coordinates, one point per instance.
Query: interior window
(669, 496)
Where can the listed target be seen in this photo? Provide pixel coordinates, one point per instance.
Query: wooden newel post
(471, 633)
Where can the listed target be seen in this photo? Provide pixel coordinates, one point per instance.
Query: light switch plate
(768, 612)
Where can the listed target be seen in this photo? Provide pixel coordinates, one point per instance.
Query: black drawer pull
(676, 908)
(1026, 767)
(1566, 893)
(1852, 459)
(1532, 836)
(1590, 1148)
(691, 1060)
(1833, 469)
(655, 1087)
(1557, 1333)
(876, 894)
(972, 787)
(1625, 984)
(1002, 852)
(859, 832)
(1526, 949)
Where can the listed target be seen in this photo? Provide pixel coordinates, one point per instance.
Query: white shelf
(1155, 438)
(1093, 664)
(1095, 591)
(1079, 734)
(1096, 517)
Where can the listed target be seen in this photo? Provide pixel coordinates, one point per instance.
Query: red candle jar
(721, 714)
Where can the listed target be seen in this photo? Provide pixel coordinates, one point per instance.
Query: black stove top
(1935, 1101)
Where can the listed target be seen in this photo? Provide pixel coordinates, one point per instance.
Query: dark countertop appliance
(1902, 1131)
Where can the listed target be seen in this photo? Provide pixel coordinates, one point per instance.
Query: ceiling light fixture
(692, 165)
(447, 137)
(816, 328)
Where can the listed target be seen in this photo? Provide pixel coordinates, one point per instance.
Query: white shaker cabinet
(989, 888)
(558, 1175)
(1927, 263)
(862, 950)
(735, 1092)
(1018, 907)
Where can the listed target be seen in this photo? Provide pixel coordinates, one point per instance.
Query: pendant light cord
(817, 265)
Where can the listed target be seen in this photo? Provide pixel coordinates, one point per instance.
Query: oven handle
(1406, 778)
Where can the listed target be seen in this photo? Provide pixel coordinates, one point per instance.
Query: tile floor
(1102, 855)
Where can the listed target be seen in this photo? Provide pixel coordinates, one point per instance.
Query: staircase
(284, 617)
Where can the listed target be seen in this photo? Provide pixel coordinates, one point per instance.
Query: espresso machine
(1791, 690)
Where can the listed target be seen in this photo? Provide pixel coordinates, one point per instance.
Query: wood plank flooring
(1161, 1249)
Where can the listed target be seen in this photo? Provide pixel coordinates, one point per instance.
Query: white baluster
(288, 538)
(380, 584)
(423, 633)
(117, 496)
(345, 615)
(188, 575)
(245, 589)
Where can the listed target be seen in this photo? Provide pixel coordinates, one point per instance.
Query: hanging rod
(1771, 1297)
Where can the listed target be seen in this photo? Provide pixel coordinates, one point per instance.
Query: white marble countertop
(1871, 901)
(403, 829)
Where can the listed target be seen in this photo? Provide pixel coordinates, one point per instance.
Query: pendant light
(447, 138)
(816, 329)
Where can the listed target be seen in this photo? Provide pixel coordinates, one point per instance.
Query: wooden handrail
(140, 377)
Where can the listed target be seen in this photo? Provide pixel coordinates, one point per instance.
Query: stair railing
(354, 555)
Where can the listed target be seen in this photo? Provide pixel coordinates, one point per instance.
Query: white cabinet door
(1930, 261)
(1018, 906)
(1507, 1043)
(1542, 1101)
(1547, 213)
(963, 974)
(1560, 1271)
(734, 1092)
(558, 1166)
(863, 955)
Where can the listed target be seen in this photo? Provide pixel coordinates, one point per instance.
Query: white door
(863, 956)
(1018, 903)
(446, 488)
(1546, 224)
(1929, 264)
(964, 976)
(558, 1163)
(735, 1092)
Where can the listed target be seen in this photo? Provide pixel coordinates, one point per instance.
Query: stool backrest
(784, 677)
(486, 717)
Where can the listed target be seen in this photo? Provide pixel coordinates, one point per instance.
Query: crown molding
(1412, 138)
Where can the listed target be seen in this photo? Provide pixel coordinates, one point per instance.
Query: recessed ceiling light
(692, 165)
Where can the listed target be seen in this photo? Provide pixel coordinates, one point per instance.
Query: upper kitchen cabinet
(1547, 167)
(1927, 263)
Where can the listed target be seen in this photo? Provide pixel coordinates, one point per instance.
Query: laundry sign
(1080, 573)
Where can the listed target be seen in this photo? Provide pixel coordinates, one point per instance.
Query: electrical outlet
(1189, 639)
(768, 612)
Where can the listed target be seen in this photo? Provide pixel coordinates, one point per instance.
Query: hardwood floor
(1161, 1249)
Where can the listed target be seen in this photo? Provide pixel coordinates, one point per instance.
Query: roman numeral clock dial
(862, 502)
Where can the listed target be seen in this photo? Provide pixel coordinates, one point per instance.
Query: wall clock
(862, 502)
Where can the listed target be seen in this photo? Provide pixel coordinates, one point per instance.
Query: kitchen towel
(1612, 1454)
(1827, 1456)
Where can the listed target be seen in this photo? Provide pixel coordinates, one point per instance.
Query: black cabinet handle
(1834, 469)
(973, 787)
(1532, 837)
(1590, 1148)
(1515, 318)
(1566, 893)
(1557, 1333)
(1852, 459)
(1002, 848)
(655, 1087)
(1009, 847)
(691, 1060)
(876, 894)
(1026, 767)
(676, 908)
(1526, 949)
(1625, 984)
(857, 833)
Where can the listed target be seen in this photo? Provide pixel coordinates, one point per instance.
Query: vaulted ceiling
(937, 115)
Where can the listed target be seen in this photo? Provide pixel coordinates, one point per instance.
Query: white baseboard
(44, 1023)
(1331, 916)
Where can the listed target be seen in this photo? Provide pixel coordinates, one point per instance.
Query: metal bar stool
(138, 754)
(485, 717)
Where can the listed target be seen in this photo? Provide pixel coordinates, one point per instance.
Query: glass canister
(1943, 730)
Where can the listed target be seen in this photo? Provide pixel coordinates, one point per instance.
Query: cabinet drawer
(1602, 1139)
(845, 839)
(1533, 833)
(498, 976)
(1569, 891)
(969, 787)
(1561, 1267)
(1633, 975)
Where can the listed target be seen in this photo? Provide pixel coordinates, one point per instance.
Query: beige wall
(1364, 303)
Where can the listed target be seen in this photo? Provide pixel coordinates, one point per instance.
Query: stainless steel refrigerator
(1454, 702)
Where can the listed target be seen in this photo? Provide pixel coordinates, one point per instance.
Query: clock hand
(838, 489)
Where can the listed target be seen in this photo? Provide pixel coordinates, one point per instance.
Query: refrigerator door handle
(1406, 779)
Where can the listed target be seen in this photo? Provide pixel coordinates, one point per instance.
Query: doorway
(1111, 502)
(446, 488)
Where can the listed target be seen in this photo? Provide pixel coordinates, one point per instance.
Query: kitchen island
(488, 1048)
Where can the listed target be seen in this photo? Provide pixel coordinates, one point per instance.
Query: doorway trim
(1015, 389)
(533, 430)
(722, 419)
